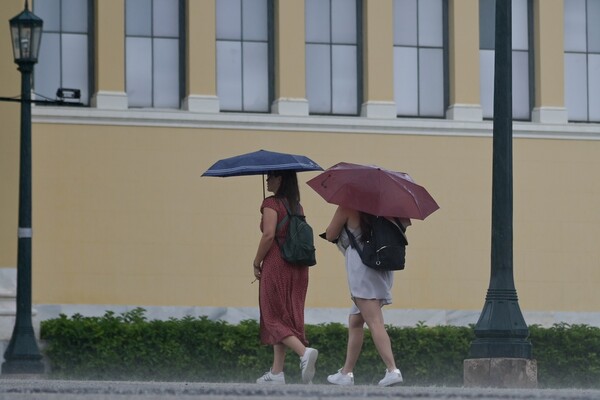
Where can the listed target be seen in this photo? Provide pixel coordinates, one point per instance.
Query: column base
(465, 112)
(550, 115)
(201, 104)
(110, 100)
(8, 302)
(378, 109)
(290, 106)
(500, 373)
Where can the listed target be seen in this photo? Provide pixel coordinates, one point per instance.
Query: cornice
(312, 123)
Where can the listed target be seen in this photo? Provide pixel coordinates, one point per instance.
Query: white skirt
(365, 282)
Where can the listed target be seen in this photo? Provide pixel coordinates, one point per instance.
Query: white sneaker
(307, 364)
(270, 378)
(341, 379)
(391, 378)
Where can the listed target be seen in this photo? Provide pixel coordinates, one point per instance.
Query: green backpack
(298, 248)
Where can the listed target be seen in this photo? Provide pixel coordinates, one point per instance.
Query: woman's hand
(257, 270)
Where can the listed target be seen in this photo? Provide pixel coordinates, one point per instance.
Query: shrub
(567, 355)
(128, 346)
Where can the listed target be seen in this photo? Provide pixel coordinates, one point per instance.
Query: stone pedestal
(8, 284)
(500, 373)
(8, 294)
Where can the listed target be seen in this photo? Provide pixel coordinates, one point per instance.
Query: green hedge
(128, 346)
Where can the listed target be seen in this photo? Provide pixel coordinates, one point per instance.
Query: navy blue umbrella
(261, 162)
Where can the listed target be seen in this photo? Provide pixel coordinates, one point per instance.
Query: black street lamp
(501, 331)
(22, 354)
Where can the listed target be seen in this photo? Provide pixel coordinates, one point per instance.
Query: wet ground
(34, 388)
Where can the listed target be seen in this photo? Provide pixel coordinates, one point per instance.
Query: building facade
(122, 218)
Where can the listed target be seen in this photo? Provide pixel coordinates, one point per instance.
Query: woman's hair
(365, 226)
(288, 188)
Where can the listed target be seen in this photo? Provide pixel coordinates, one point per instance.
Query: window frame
(445, 65)
(181, 47)
(90, 59)
(586, 53)
(359, 61)
(270, 60)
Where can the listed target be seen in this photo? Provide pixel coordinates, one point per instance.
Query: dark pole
(501, 331)
(22, 354)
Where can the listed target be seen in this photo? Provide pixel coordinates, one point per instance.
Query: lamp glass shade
(26, 32)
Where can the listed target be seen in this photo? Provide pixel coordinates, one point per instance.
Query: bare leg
(278, 358)
(373, 316)
(295, 344)
(279, 352)
(356, 335)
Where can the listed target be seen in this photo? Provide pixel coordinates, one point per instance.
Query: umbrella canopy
(261, 162)
(374, 190)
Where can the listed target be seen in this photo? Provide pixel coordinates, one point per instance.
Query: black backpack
(386, 248)
(298, 248)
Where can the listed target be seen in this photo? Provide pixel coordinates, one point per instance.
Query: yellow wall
(549, 55)
(201, 47)
(289, 39)
(110, 45)
(378, 57)
(557, 192)
(122, 216)
(463, 32)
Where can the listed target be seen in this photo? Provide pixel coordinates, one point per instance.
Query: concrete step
(8, 297)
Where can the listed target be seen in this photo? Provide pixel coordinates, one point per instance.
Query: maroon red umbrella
(374, 190)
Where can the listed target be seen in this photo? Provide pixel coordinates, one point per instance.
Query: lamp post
(22, 354)
(501, 331)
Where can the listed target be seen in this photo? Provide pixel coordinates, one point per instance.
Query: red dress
(282, 288)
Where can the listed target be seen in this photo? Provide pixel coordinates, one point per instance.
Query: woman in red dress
(282, 286)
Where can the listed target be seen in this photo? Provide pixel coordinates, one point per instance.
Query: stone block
(500, 373)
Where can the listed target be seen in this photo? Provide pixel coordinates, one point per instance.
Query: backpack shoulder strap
(286, 205)
(283, 221)
(353, 241)
(400, 226)
(397, 221)
(288, 213)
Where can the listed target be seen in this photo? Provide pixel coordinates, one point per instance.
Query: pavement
(32, 388)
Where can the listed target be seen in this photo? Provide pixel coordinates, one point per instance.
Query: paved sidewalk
(34, 389)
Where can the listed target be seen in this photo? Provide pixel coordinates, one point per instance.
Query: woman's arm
(337, 224)
(269, 226)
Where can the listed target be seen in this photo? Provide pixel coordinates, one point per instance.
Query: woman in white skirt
(370, 290)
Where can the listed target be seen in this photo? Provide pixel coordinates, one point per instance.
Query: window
(419, 57)
(65, 52)
(154, 52)
(522, 86)
(582, 60)
(333, 56)
(245, 55)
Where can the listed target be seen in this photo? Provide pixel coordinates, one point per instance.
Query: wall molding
(378, 109)
(108, 100)
(550, 115)
(290, 106)
(333, 124)
(201, 104)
